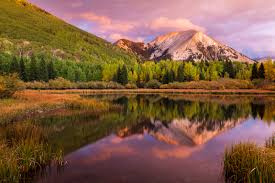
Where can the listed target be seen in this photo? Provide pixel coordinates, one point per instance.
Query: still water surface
(156, 138)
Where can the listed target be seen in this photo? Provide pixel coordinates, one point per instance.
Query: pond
(156, 138)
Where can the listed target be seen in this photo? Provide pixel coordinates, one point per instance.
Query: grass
(23, 25)
(23, 149)
(247, 162)
(27, 104)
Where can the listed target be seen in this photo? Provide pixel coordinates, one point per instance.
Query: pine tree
(229, 68)
(138, 81)
(116, 77)
(147, 77)
(51, 71)
(124, 75)
(14, 66)
(181, 73)
(171, 76)
(23, 75)
(165, 79)
(261, 72)
(254, 74)
(43, 71)
(33, 69)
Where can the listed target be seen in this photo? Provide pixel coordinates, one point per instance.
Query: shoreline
(157, 91)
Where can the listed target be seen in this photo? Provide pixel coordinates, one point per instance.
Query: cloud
(114, 30)
(164, 23)
(143, 19)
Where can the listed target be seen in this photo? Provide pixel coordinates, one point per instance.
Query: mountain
(188, 45)
(181, 131)
(27, 28)
(137, 48)
(263, 59)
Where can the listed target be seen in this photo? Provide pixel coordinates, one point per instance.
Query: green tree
(23, 75)
(229, 68)
(254, 74)
(71, 74)
(51, 70)
(43, 71)
(14, 66)
(123, 75)
(261, 72)
(33, 75)
(181, 73)
(165, 78)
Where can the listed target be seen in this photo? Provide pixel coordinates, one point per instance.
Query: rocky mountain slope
(188, 45)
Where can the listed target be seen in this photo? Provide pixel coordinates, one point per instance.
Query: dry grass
(24, 148)
(246, 162)
(29, 103)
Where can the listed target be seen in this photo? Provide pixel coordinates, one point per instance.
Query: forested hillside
(27, 29)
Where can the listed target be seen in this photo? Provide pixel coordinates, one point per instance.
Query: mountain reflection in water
(155, 138)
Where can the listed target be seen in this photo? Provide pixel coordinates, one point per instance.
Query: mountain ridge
(190, 45)
(22, 22)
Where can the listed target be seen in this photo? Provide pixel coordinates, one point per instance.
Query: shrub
(131, 86)
(9, 84)
(61, 83)
(154, 84)
(263, 84)
(37, 85)
(211, 85)
(99, 85)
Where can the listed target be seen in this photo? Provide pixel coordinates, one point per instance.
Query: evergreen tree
(14, 66)
(171, 76)
(254, 74)
(116, 77)
(123, 75)
(181, 73)
(33, 69)
(261, 72)
(23, 74)
(138, 81)
(147, 78)
(43, 71)
(71, 74)
(51, 70)
(165, 78)
(229, 68)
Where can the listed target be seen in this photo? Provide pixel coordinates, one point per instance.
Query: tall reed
(247, 162)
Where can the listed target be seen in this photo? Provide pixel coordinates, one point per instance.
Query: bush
(9, 84)
(99, 85)
(61, 83)
(154, 84)
(263, 84)
(131, 86)
(37, 85)
(211, 85)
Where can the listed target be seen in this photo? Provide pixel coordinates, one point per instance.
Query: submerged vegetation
(247, 162)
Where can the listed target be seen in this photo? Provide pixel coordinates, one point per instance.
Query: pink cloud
(179, 24)
(143, 19)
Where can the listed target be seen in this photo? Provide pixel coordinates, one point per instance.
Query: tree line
(40, 68)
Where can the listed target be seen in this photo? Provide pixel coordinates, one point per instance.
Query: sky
(245, 25)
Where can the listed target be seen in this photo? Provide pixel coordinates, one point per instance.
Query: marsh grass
(24, 149)
(247, 162)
